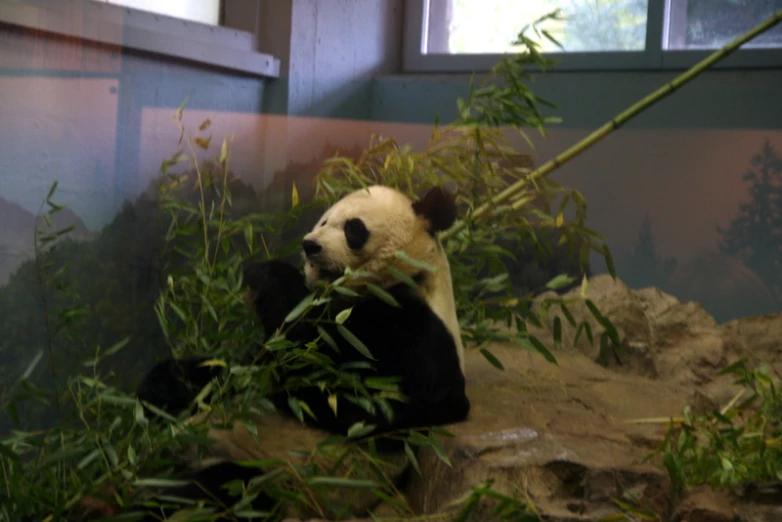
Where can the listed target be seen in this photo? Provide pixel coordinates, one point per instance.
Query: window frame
(129, 28)
(653, 58)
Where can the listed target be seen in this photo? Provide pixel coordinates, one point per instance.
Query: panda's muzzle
(311, 248)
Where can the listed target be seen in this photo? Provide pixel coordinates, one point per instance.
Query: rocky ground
(566, 436)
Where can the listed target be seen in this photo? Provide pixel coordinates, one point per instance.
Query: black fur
(409, 342)
(439, 207)
(356, 233)
(173, 384)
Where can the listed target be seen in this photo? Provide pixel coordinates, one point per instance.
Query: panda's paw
(171, 385)
(271, 276)
(275, 288)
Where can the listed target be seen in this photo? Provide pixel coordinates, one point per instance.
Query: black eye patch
(356, 233)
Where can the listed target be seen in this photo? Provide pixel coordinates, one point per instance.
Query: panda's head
(365, 230)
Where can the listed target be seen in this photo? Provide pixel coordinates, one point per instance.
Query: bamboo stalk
(616, 122)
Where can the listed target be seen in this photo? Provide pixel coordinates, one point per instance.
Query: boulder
(274, 437)
(572, 439)
(557, 435)
(665, 339)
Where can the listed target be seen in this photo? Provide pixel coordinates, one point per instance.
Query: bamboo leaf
(559, 281)
(609, 261)
(139, 414)
(412, 457)
(294, 196)
(339, 482)
(132, 456)
(299, 308)
(355, 342)
(557, 332)
(383, 295)
(214, 362)
(52, 190)
(31, 367)
(492, 359)
(359, 429)
(295, 407)
(345, 291)
(159, 483)
(223, 152)
(439, 450)
(402, 277)
(202, 143)
(541, 349)
(327, 337)
(343, 315)
(118, 346)
(402, 256)
(83, 463)
(570, 319)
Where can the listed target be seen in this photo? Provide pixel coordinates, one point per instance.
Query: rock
(557, 435)
(759, 512)
(615, 301)
(760, 338)
(569, 438)
(288, 440)
(702, 504)
(661, 337)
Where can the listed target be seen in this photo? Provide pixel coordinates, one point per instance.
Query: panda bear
(416, 339)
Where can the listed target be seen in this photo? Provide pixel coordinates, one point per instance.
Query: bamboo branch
(615, 123)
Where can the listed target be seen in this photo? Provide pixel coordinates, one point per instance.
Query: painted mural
(696, 212)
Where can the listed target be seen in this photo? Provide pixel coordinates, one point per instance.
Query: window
(709, 24)
(203, 11)
(489, 26)
(470, 35)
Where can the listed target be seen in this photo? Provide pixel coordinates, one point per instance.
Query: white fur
(393, 226)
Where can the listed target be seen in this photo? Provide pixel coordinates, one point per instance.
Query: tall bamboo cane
(616, 122)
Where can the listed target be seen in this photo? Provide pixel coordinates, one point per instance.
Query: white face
(364, 230)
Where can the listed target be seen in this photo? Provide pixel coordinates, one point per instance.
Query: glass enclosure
(688, 197)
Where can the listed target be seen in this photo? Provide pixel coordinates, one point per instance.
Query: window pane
(203, 11)
(490, 26)
(710, 24)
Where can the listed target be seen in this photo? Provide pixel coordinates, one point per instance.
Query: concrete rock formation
(559, 436)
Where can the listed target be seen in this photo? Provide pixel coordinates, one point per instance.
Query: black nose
(310, 247)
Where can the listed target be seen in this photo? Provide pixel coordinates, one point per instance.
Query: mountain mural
(17, 234)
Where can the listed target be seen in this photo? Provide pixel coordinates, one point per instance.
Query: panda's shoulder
(401, 305)
(405, 333)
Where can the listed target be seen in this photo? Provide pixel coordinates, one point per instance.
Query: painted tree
(644, 266)
(755, 235)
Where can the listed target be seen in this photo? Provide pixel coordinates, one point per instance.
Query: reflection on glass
(490, 26)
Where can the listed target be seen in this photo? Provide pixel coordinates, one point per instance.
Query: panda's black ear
(438, 206)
